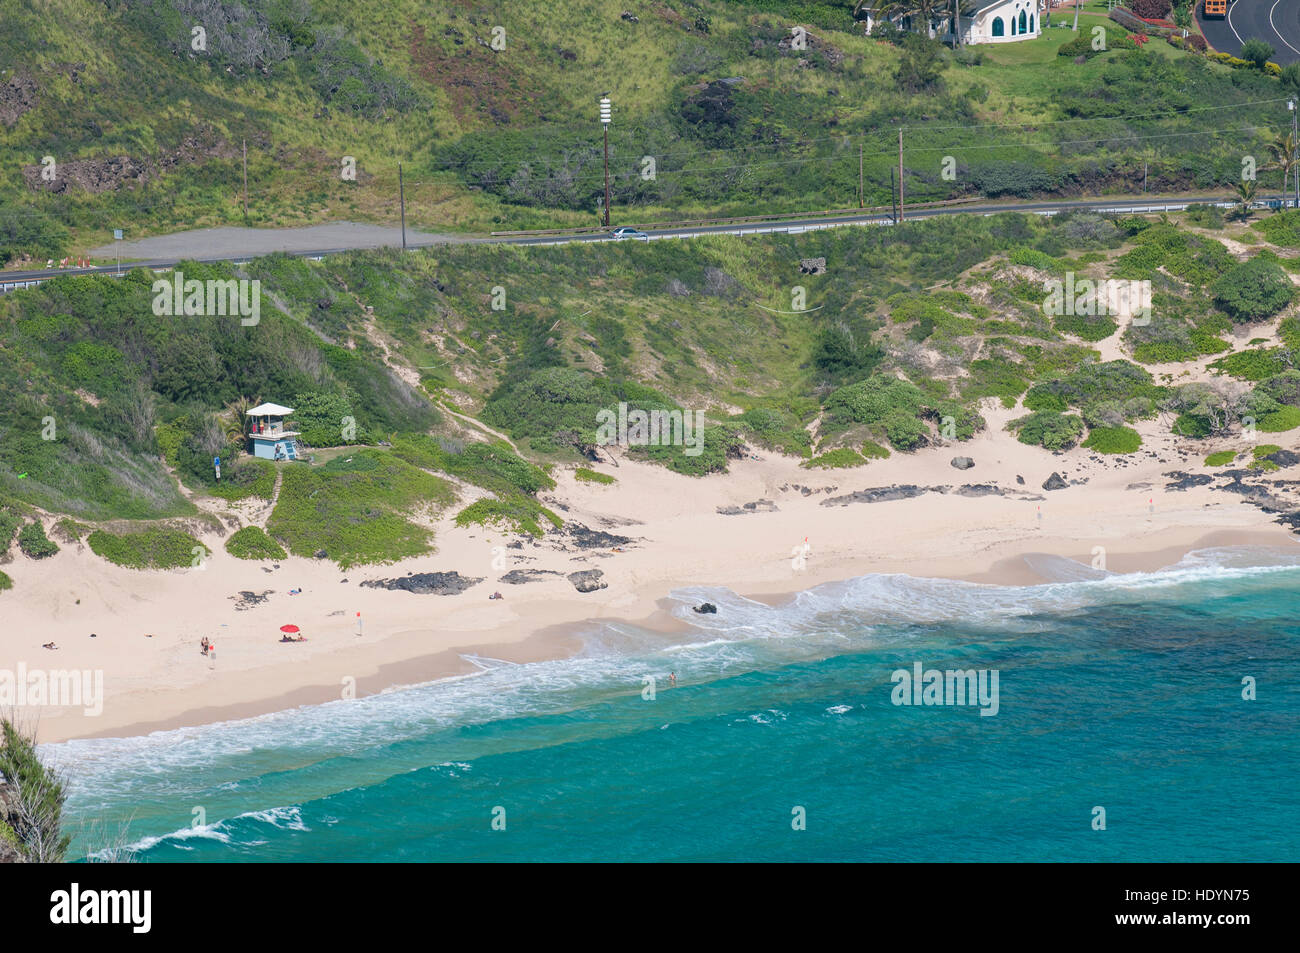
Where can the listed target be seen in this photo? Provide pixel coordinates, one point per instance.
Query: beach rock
(878, 495)
(588, 580)
(979, 489)
(320, 554)
(1284, 458)
(1055, 482)
(585, 538)
(425, 583)
(812, 266)
(517, 577)
(758, 506)
(247, 600)
(705, 608)
(1184, 481)
(1020, 479)
(962, 463)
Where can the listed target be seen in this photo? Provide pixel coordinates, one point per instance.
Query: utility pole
(605, 115)
(401, 198)
(1295, 142)
(900, 175)
(1144, 178)
(893, 195)
(245, 180)
(860, 195)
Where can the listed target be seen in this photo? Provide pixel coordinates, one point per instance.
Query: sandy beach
(744, 530)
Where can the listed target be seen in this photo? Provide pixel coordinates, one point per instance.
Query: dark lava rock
(588, 580)
(517, 577)
(1183, 481)
(247, 600)
(1284, 458)
(1020, 479)
(962, 463)
(979, 489)
(758, 506)
(705, 608)
(1055, 482)
(877, 495)
(424, 583)
(585, 538)
(320, 554)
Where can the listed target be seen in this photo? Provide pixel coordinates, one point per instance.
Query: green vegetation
(1221, 458)
(1258, 461)
(5, 581)
(520, 514)
(251, 542)
(1113, 440)
(70, 531)
(835, 459)
(159, 548)
(1254, 290)
(34, 543)
(1252, 365)
(1048, 429)
(36, 819)
(1284, 418)
(356, 510)
(874, 451)
(584, 475)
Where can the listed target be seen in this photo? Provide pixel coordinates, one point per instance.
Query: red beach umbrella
(291, 629)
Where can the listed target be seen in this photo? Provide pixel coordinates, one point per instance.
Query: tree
(920, 66)
(1253, 290)
(1286, 153)
(31, 799)
(234, 420)
(1256, 52)
(1245, 197)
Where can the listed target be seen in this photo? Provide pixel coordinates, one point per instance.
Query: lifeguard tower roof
(272, 410)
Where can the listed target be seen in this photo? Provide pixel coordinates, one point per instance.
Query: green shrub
(1192, 425)
(1263, 450)
(874, 451)
(519, 513)
(835, 459)
(34, 543)
(1113, 440)
(251, 542)
(583, 475)
(1253, 290)
(162, 548)
(1287, 418)
(1253, 365)
(70, 531)
(1049, 429)
(5, 581)
(1221, 458)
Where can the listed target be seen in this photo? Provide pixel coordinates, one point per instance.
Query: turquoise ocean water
(1123, 693)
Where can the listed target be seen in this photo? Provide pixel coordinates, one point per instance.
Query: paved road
(1276, 22)
(241, 244)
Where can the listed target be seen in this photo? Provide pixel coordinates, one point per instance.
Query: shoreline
(563, 640)
(650, 533)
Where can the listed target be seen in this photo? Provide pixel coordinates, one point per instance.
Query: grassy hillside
(114, 413)
(147, 133)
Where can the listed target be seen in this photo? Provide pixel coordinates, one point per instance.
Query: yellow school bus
(1214, 8)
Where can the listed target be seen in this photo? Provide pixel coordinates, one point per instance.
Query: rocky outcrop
(758, 506)
(1055, 482)
(427, 583)
(962, 463)
(588, 580)
(705, 608)
(812, 266)
(517, 577)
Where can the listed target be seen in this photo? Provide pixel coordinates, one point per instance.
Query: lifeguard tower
(267, 434)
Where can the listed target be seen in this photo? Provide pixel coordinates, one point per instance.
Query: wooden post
(900, 176)
(401, 197)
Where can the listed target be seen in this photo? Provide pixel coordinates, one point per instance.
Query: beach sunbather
(49, 645)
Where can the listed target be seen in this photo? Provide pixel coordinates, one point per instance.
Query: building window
(998, 28)
(1031, 23)
(1022, 21)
